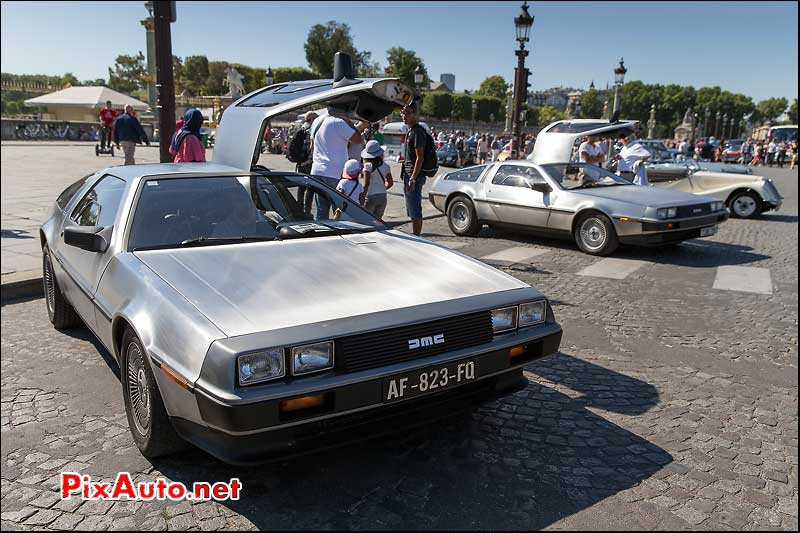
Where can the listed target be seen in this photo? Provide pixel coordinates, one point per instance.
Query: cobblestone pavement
(671, 405)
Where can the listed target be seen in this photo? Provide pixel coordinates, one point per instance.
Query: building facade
(449, 80)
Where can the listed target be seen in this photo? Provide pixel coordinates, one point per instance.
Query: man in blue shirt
(128, 133)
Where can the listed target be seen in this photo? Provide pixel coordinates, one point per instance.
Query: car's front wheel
(595, 234)
(745, 204)
(147, 418)
(60, 312)
(461, 217)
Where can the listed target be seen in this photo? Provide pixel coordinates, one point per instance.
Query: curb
(18, 290)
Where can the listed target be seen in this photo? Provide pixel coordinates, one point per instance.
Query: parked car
(584, 202)
(744, 194)
(204, 281)
(447, 156)
(732, 151)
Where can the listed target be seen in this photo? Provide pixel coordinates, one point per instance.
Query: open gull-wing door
(241, 129)
(555, 143)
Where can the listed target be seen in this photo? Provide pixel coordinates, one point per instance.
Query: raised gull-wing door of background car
(555, 143)
(241, 128)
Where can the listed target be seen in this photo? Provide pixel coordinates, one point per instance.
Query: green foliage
(462, 107)
(129, 73)
(216, 73)
(488, 106)
(404, 63)
(549, 114)
(532, 118)
(793, 112)
(195, 73)
(282, 74)
(494, 86)
(437, 104)
(591, 105)
(324, 40)
(771, 108)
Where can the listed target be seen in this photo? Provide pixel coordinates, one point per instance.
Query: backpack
(430, 163)
(299, 143)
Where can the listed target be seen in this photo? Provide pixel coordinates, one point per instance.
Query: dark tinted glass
(99, 206)
(468, 174)
(69, 192)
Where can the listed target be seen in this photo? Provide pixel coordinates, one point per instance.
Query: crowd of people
(751, 152)
(485, 147)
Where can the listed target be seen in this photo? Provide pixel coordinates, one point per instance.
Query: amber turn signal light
(517, 351)
(303, 402)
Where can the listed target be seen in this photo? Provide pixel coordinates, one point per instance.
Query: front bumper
(259, 431)
(654, 233)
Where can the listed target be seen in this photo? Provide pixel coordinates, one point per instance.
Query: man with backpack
(299, 152)
(419, 163)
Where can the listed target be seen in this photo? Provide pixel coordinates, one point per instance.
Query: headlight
(504, 319)
(717, 206)
(312, 358)
(667, 212)
(261, 366)
(532, 313)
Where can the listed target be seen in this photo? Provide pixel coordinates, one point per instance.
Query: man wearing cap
(377, 178)
(330, 135)
(412, 175)
(631, 160)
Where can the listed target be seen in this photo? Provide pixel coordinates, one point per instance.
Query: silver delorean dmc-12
(250, 329)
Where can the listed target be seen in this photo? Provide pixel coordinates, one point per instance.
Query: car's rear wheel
(461, 217)
(147, 418)
(60, 312)
(745, 204)
(595, 234)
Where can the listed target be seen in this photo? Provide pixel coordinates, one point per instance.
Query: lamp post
(651, 124)
(150, 28)
(418, 77)
(474, 113)
(523, 24)
(705, 121)
(619, 79)
(270, 76)
(717, 116)
(695, 118)
(164, 15)
(724, 125)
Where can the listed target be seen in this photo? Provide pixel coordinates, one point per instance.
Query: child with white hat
(377, 178)
(349, 184)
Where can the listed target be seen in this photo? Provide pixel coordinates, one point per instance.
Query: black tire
(461, 217)
(595, 234)
(745, 204)
(60, 312)
(150, 426)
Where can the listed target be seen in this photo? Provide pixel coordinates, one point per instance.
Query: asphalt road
(672, 405)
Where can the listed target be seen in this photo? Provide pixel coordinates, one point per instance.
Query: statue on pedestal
(234, 82)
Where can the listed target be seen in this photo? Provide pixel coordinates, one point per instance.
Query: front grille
(695, 210)
(390, 346)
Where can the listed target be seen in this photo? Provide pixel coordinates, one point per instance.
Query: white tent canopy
(87, 97)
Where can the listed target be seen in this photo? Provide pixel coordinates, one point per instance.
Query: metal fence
(53, 130)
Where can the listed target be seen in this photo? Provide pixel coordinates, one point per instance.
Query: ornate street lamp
(695, 119)
(724, 125)
(705, 120)
(418, 76)
(619, 80)
(270, 76)
(474, 114)
(523, 24)
(716, 124)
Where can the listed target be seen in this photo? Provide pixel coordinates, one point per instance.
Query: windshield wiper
(204, 241)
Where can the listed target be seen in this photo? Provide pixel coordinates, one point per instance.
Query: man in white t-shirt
(592, 152)
(631, 160)
(330, 135)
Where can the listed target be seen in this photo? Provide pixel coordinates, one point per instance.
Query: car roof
(132, 172)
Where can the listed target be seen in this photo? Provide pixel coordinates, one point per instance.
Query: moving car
(596, 208)
(732, 151)
(231, 314)
(745, 195)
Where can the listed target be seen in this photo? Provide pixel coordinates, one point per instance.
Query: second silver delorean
(248, 327)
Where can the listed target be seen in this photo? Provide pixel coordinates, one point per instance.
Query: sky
(746, 47)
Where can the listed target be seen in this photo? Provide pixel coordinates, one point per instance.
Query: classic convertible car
(745, 195)
(249, 328)
(584, 202)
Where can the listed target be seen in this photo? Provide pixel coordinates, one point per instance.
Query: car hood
(644, 196)
(254, 287)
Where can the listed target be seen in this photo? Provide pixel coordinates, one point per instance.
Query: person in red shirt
(186, 145)
(107, 116)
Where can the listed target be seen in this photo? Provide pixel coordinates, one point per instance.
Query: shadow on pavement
(15, 234)
(83, 333)
(792, 219)
(523, 462)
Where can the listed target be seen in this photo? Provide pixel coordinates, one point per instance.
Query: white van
(394, 138)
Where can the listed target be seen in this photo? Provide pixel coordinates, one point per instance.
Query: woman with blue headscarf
(186, 145)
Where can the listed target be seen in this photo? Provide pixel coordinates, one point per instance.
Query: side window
(516, 176)
(64, 198)
(99, 206)
(468, 174)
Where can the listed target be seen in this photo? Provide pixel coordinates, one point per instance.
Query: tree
(195, 73)
(462, 107)
(282, 74)
(549, 114)
(494, 86)
(177, 74)
(129, 73)
(793, 112)
(591, 106)
(438, 104)
(404, 64)
(213, 85)
(488, 106)
(324, 40)
(771, 108)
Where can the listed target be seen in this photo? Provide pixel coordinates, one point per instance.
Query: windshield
(785, 134)
(582, 176)
(733, 145)
(181, 212)
(658, 150)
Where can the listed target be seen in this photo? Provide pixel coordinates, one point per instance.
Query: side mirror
(541, 187)
(89, 238)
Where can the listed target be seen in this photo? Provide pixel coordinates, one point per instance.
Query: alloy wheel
(593, 234)
(49, 285)
(138, 389)
(460, 216)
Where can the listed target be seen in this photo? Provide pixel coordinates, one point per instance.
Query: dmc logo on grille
(698, 210)
(422, 342)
